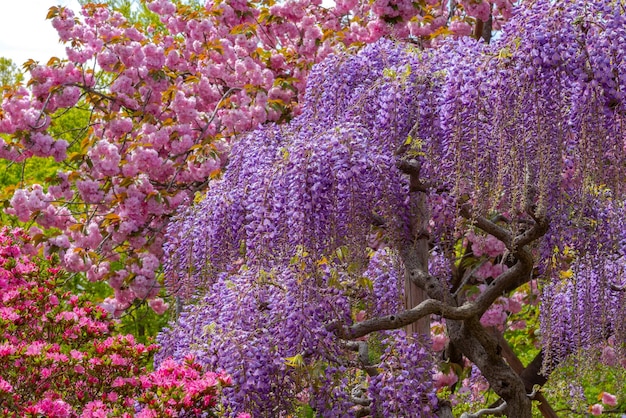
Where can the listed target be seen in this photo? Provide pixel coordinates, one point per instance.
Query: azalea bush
(60, 356)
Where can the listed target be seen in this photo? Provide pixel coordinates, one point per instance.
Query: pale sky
(25, 33)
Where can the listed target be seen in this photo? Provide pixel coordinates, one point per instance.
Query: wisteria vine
(518, 147)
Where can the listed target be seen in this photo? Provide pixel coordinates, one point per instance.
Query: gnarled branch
(427, 307)
(493, 411)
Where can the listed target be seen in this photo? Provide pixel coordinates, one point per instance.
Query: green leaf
(296, 361)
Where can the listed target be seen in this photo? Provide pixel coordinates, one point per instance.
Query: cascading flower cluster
(389, 388)
(536, 124)
(261, 332)
(279, 241)
(384, 272)
(584, 304)
(501, 129)
(60, 357)
(306, 184)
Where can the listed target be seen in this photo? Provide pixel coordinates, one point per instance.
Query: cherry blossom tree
(160, 100)
(490, 176)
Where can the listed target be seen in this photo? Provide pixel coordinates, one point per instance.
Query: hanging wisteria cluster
(299, 249)
(304, 184)
(584, 305)
(285, 235)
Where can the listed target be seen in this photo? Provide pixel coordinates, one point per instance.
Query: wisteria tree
(486, 175)
(158, 101)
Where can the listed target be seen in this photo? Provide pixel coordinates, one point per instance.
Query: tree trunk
(414, 295)
(468, 335)
(478, 345)
(530, 374)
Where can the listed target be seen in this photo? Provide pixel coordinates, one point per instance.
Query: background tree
(488, 175)
(9, 73)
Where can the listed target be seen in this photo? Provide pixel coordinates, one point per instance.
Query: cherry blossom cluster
(59, 356)
(606, 399)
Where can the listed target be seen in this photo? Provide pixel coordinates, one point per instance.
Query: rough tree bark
(466, 333)
(414, 294)
(531, 374)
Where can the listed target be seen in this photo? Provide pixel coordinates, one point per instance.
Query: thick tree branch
(520, 273)
(415, 273)
(488, 226)
(412, 167)
(364, 358)
(488, 411)
(427, 307)
(511, 278)
(478, 345)
(534, 233)
(530, 375)
(466, 332)
(415, 251)
(445, 410)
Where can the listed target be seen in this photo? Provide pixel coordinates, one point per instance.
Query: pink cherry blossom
(596, 409)
(608, 399)
(442, 380)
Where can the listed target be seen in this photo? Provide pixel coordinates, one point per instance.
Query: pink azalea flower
(5, 386)
(54, 408)
(35, 348)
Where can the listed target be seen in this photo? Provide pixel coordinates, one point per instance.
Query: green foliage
(133, 10)
(9, 73)
(585, 374)
(142, 322)
(96, 292)
(71, 125)
(305, 411)
(34, 170)
(525, 342)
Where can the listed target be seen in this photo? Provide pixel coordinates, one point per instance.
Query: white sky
(25, 33)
